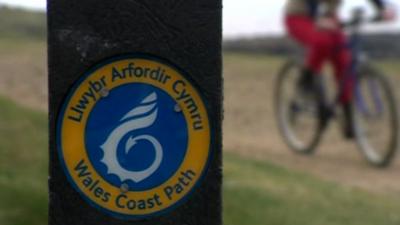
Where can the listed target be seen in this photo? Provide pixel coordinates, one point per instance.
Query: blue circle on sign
(136, 150)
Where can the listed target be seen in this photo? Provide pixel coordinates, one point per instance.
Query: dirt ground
(23, 74)
(250, 129)
(249, 126)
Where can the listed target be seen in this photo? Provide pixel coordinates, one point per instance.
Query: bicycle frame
(358, 59)
(372, 96)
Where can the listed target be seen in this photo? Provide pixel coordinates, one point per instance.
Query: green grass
(21, 30)
(23, 165)
(22, 24)
(255, 192)
(259, 193)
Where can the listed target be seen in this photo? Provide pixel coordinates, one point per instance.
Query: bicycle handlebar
(357, 23)
(358, 19)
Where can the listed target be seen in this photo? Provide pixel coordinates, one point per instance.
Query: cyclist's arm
(383, 13)
(379, 4)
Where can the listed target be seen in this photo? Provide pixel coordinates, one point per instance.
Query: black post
(143, 76)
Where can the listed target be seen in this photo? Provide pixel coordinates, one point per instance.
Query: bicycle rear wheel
(297, 114)
(375, 117)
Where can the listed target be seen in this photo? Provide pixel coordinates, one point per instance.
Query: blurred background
(264, 183)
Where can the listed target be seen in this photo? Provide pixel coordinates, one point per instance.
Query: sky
(251, 17)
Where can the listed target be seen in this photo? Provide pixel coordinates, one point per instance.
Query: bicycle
(303, 120)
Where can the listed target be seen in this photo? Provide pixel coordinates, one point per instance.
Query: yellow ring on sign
(72, 150)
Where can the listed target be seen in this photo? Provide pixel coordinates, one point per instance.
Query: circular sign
(134, 136)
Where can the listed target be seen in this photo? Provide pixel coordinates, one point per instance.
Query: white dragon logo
(134, 120)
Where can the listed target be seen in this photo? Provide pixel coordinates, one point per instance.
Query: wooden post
(143, 76)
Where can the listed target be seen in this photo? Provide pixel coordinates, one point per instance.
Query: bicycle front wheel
(297, 114)
(375, 117)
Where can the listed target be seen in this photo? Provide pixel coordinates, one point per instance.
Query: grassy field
(264, 184)
(23, 165)
(255, 192)
(22, 24)
(259, 193)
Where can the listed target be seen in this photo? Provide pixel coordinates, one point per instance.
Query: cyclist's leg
(319, 45)
(342, 63)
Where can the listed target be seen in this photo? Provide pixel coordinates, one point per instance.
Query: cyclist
(315, 25)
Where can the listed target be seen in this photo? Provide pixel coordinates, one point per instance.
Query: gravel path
(250, 129)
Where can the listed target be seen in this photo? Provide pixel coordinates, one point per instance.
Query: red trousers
(323, 46)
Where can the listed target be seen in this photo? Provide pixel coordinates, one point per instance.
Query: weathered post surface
(135, 112)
